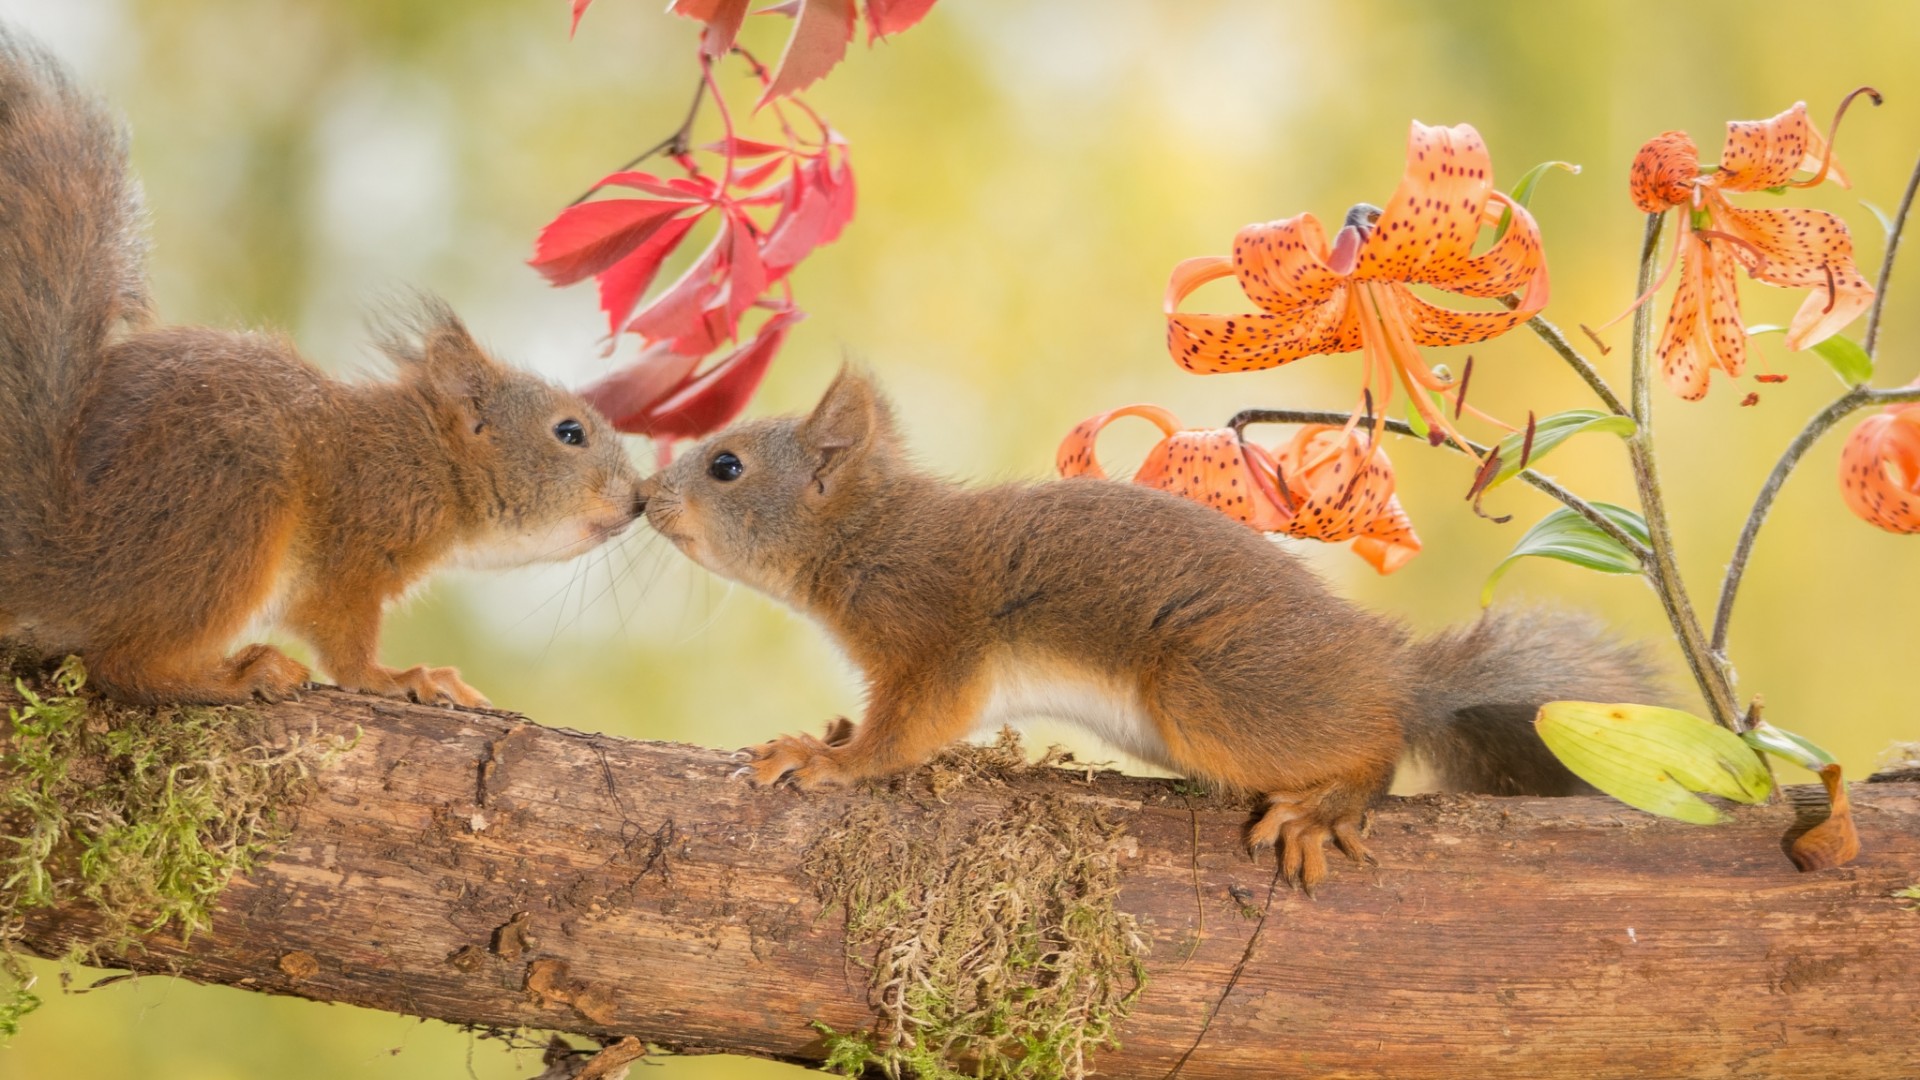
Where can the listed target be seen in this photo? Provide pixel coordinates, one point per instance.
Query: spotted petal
(1703, 329)
(1427, 229)
(1766, 153)
(1880, 470)
(1207, 467)
(1343, 493)
(1663, 172)
(1803, 249)
(1282, 267)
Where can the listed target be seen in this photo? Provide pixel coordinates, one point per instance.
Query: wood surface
(479, 868)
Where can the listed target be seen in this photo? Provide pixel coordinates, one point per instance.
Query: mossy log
(479, 868)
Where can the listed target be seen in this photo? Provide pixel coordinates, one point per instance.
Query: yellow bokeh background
(1028, 174)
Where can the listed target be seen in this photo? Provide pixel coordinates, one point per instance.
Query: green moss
(997, 951)
(142, 815)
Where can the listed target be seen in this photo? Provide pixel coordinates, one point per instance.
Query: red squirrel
(164, 488)
(1162, 626)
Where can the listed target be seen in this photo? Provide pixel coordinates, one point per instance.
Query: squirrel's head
(545, 477)
(755, 501)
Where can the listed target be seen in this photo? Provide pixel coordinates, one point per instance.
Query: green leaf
(1843, 354)
(1653, 758)
(1785, 744)
(1523, 191)
(1567, 536)
(1886, 223)
(1553, 431)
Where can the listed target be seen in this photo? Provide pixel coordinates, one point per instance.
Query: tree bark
(453, 857)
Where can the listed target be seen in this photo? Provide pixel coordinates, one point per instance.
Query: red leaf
(586, 239)
(751, 179)
(579, 9)
(676, 312)
(887, 17)
(697, 188)
(710, 401)
(747, 148)
(801, 224)
(723, 18)
(747, 273)
(820, 37)
(627, 396)
(623, 283)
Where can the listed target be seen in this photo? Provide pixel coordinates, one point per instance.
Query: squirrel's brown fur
(162, 489)
(1172, 631)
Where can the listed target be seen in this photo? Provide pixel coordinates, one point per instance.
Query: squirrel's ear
(850, 419)
(448, 360)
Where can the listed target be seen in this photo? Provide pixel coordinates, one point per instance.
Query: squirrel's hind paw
(265, 672)
(805, 760)
(1300, 824)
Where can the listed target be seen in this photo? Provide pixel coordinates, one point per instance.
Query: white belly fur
(1021, 689)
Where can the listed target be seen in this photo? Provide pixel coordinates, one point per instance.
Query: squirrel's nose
(639, 503)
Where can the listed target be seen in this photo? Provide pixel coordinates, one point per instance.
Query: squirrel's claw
(804, 760)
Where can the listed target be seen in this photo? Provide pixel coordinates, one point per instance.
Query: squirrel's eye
(725, 466)
(570, 432)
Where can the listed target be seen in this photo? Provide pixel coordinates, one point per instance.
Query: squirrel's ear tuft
(433, 347)
(851, 418)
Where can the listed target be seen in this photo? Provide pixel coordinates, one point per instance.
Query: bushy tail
(1481, 685)
(71, 266)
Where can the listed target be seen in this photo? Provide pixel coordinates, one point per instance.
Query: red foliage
(772, 204)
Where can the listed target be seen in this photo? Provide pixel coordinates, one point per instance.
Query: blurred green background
(1028, 174)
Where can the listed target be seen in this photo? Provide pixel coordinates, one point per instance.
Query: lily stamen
(1833, 133)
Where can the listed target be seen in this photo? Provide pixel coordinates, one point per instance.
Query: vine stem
(1664, 571)
(1858, 397)
(674, 144)
(1472, 449)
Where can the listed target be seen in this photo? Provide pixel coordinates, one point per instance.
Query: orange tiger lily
(1792, 248)
(1353, 294)
(1880, 469)
(1327, 484)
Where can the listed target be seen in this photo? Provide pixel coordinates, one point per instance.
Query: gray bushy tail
(1479, 687)
(71, 269)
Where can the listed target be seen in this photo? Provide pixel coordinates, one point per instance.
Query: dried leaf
(1835, 841)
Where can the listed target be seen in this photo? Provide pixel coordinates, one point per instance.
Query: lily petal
(1334, 504)
(1428, 228)
(1206, 467)
(1685, 356)
(1663, 172)
(1766, 153)
(1880, 470)
(1804, 249)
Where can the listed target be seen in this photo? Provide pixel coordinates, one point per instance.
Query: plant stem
(1857, 398)
(1472, 449)
(1664, 571)
(675, 143)
(1886, 264)
(1557, 341)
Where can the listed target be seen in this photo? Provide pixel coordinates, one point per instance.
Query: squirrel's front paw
(428, 686)
(807, 761)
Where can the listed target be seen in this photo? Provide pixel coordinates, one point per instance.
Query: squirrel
(164, 489)
(1162, 626)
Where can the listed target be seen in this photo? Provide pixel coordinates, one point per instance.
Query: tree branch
(452, 858)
